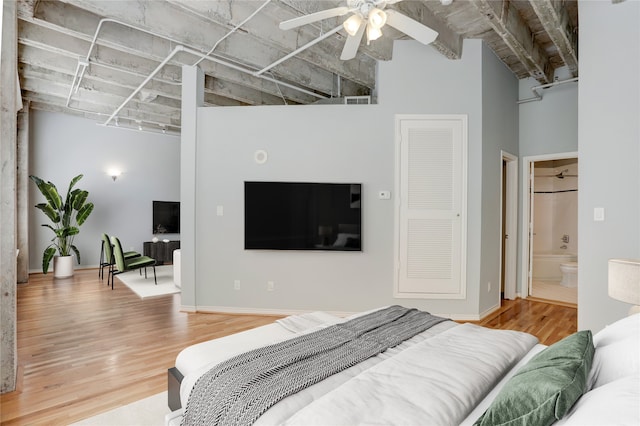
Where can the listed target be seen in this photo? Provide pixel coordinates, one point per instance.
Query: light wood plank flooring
(84, 349)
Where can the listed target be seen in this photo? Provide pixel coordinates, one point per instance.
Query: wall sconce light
(114, 173)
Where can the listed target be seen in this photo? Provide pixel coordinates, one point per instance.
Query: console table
(162, 252)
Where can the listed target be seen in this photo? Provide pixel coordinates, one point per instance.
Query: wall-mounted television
(166, 217)
(302, 216)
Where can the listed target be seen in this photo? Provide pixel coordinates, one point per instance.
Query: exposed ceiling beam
(264, 26)
(556, 23)
(200, 35)
(515, 33)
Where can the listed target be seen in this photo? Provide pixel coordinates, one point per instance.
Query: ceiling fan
(368, 16)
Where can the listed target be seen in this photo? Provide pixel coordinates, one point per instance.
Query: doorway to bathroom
(552, 244)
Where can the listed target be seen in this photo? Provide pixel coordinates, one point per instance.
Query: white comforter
(437, 377)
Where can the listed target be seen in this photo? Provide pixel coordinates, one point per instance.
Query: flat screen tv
(302, 216)
(166, 217)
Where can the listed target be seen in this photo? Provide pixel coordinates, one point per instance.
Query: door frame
(527, 215)
(509, 241)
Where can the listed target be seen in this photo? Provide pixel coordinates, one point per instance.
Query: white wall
(336, 144)
(609, 151)
(555, 209)
(499, 133)
(63, 146)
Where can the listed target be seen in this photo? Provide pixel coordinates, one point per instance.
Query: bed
(419, 369)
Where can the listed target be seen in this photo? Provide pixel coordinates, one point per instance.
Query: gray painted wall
(499, 133)
(609, 151)
(339, 144)
(64, 146)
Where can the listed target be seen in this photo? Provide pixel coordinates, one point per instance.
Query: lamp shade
(352, 25)
(624, 280)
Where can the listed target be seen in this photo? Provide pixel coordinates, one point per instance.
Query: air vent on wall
(357, 100)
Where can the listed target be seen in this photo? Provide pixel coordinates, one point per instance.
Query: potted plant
(67, 216)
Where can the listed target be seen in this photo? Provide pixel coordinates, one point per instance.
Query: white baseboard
(287, 312)
(262, 311)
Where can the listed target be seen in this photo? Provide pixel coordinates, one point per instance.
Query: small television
(302, 216)
(166, 217)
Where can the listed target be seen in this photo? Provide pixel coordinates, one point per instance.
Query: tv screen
(166, 217)
(302, 216)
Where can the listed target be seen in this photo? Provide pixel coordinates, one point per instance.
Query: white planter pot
(62, 266)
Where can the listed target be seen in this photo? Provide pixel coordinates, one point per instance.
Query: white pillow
(616, 403)
(615, 360)
(619, 330)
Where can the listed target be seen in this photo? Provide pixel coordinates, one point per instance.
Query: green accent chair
(125, 265)
(106, 256)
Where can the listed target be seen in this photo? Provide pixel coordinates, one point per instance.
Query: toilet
(569, 274)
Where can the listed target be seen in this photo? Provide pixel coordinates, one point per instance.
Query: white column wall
(609, 151)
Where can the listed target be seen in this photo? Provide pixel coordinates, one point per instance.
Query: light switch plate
(598, 214)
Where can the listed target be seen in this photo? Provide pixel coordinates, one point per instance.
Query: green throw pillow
(545, 388)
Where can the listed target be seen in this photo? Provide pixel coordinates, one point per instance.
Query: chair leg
(154, 274)
(145, 272)
(101, 271)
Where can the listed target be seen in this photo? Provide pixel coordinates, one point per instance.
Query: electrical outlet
(236, 284)
(489, 286)
(270, 286)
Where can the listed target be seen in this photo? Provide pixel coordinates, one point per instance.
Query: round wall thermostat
(260, 156)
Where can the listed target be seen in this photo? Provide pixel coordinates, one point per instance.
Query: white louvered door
(431, 207)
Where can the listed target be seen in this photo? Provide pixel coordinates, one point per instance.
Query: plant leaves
(77, 252)
(84, 213)
(79, 199)
(49, 212)
(48, 254)
(62, 215)
(73, 182)
(50, 192)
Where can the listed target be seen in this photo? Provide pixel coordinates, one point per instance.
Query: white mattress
(196, 360)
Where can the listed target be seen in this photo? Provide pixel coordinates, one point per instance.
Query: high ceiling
(119, 62)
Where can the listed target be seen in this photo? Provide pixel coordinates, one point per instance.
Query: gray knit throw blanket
(237, 391)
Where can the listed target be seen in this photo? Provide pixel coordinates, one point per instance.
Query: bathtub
(546, 265)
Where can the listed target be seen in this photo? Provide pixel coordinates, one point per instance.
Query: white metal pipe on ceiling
(537, 96)
(82, 65)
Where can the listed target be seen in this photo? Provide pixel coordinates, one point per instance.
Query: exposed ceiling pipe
(146, 80)
(75, 85)
(232, 31)
(180, 48)
(298, 50)
(538, 96)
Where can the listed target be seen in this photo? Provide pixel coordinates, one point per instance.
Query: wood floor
(84, 349)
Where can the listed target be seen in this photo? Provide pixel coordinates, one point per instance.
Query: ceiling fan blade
(313, 17)
(353, 42)
(410, 27)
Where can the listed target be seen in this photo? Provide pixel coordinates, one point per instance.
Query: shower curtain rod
(555, 192)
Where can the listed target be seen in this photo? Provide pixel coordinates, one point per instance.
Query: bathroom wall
(555, 206)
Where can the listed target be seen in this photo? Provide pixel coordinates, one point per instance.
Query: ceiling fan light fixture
(373, 33)
(352, 25)
(377, 18)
